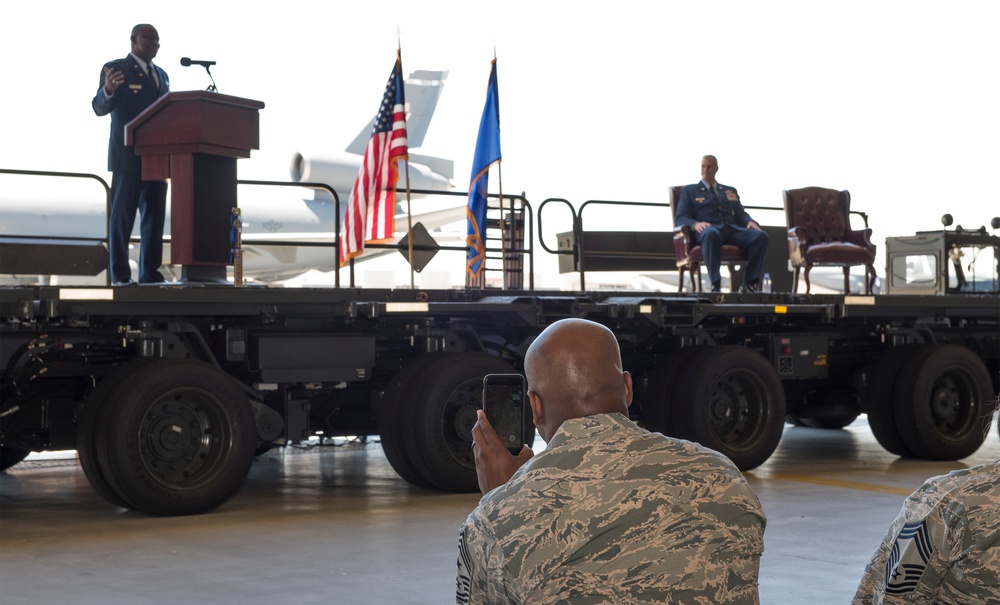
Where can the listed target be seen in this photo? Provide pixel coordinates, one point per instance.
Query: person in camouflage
(609, 512)
(944, 547)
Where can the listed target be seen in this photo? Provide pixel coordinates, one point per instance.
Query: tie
(152, 77)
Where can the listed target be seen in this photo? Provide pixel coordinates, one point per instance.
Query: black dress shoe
(753, 286)
(716, 288)
(155, 278)
(127, 282)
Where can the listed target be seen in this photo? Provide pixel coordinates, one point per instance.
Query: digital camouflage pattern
(944, 547)
(611, 513)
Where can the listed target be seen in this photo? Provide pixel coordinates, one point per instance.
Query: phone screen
(506, 408)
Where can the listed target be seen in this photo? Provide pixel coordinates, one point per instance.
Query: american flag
(371, 209)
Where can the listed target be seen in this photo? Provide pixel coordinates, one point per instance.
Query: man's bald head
(574, 369)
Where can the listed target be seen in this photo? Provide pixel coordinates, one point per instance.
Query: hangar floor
(336, 525)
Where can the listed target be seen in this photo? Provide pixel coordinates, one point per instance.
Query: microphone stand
(212, 87)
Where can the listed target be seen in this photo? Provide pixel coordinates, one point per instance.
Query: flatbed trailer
(169, 392)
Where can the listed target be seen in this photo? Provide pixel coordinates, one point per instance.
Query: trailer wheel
(734, 404)
(659, 406)
(441, 416)
(91, 422)
(878, 397)
(179, 438)
(9, 456)
(391, 424)
(944, 408)
(685, 382)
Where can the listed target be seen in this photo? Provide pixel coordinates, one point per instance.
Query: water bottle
(765, 284)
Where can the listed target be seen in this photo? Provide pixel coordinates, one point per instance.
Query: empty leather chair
(819, 233)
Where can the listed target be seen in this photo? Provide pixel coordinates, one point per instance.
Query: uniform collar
(142, 64)
(587, 427)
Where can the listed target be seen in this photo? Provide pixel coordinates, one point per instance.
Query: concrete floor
(336, 525)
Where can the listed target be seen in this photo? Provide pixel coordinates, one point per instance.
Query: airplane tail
(339, 170)
(422, 89)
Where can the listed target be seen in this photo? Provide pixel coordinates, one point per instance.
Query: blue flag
(487, 153)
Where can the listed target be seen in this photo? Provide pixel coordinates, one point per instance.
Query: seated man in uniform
(716, 216)
(609, 512)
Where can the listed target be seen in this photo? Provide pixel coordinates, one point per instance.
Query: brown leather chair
(689, 254)
(819, 233)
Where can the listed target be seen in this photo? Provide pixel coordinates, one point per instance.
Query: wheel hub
(730, 404)
(945, 402)
(176, 437)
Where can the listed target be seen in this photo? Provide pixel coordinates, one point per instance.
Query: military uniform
(944, 547)
(129, 192)
(611, 513)
(728, 218)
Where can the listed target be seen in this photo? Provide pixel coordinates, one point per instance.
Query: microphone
(187, 62)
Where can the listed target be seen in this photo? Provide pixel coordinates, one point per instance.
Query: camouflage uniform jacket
(611, 513)
(944, 547)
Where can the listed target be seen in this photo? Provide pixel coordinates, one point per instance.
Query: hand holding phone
(505, 404)
(494, 463)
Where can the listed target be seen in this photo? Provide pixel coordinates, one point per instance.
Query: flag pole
(503, 240)
(406, 164)
(503, 228)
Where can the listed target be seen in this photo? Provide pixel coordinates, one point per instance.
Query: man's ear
(535, 401)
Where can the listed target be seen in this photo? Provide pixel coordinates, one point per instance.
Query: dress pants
(129, 194)
(711, 240)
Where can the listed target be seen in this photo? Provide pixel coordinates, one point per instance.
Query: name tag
(135, 86)
(700, 200)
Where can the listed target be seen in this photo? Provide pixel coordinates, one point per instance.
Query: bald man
(715, 214)
(609, 512)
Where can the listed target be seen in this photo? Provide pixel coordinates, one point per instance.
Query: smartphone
(506, 407)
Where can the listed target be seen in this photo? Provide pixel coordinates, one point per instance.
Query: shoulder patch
(908, 560)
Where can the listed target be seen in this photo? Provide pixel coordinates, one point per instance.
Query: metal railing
(336, 204)
(579, 248)
(577, 216)
(102, 239)
(527, 249)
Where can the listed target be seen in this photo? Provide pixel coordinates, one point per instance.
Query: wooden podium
(194, 138)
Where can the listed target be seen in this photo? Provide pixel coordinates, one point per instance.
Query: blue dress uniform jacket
(728, 219)
(132, 98)
(699, 204)
(129, 193)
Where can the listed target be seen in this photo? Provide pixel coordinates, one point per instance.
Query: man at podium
(127, 87)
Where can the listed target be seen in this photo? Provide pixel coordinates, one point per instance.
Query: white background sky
(895, 101)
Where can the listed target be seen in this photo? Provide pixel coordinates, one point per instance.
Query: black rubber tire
(734, 404)
(395, 403)
(944, 407)
(179, 438)
(93, 416)
(684, 383)
(440, 416)
(659, 406)
(9, 456)
(878, 396)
